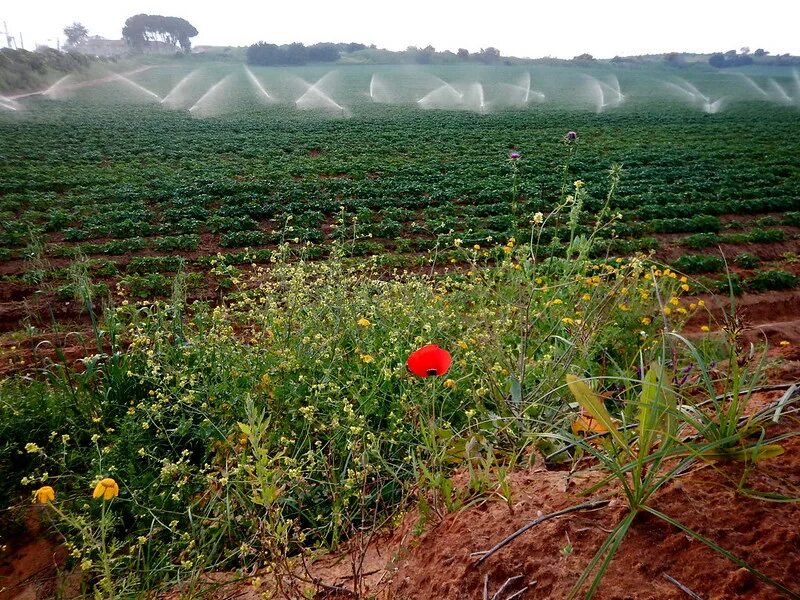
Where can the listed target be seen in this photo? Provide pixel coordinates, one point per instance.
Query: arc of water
(714, 107)
(372, 87)
(137, 86)
(754, 85)
(169, 98)
(208, 93)
(7, 103)
(692, 89)
(690, 95)
(49, 91)
(257, 83)
(796, 75)
(313, 91)
(526, 85)
(778, 88)
(450, 87)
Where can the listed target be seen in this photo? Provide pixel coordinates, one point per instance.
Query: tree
(584, 56)
(323, 52)
(760, 52)
(140, 30)
(489, 55)
(76, 33)
(463, 54)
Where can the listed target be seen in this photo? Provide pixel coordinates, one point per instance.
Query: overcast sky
(560, 28)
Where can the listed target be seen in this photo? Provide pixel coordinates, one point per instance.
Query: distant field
(184, 161)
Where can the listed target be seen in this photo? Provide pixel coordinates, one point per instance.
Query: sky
(529, 28)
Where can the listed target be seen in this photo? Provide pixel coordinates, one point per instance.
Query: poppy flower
(430, 360)
(106, 489)
(571, 136)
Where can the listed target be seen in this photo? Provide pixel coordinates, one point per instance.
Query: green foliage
(699, 263)
(21, 70)
(774, 279)
(746, 260)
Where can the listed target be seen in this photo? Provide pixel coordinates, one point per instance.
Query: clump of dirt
(29, 563)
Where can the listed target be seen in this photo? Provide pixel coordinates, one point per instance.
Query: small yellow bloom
(476, 247)
(462, 344)
(646, 320)
(784, 343)
(685, 287)
(624, 307)
(578, 184)
(364, 322)
(705, 328)
(586, 297)
(106, 489)
(449, 383)
(667, 310)
(701, 303)
(367, 358)
(557, 301)
(44, 495)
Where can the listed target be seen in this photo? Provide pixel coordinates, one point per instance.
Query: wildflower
(579, 184)
(784, 343)
(364, 322)
(538, 218)
(106, 489)
(44, 494)
(367, 358)
(476, 247)
(449, 383)
(514, 155)
(705, 328)
(429, 360)
(586, 297)
(571, 136)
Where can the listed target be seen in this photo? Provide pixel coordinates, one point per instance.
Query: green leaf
(749, 454)
(589, 402)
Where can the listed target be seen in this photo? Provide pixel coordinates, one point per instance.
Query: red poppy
(429, 360)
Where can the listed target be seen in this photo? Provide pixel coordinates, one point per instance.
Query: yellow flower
(646, 320)
(449, 383)
(782, 342)
(667, 310)
(578, 184)
(45, 494)
(476, 247)
(705, 328)
(364, 322)
(106, 489)
(462, 344)
(586, 297)
(674, 301)
(367, 358)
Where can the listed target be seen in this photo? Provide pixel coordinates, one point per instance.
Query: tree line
(266, 54)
